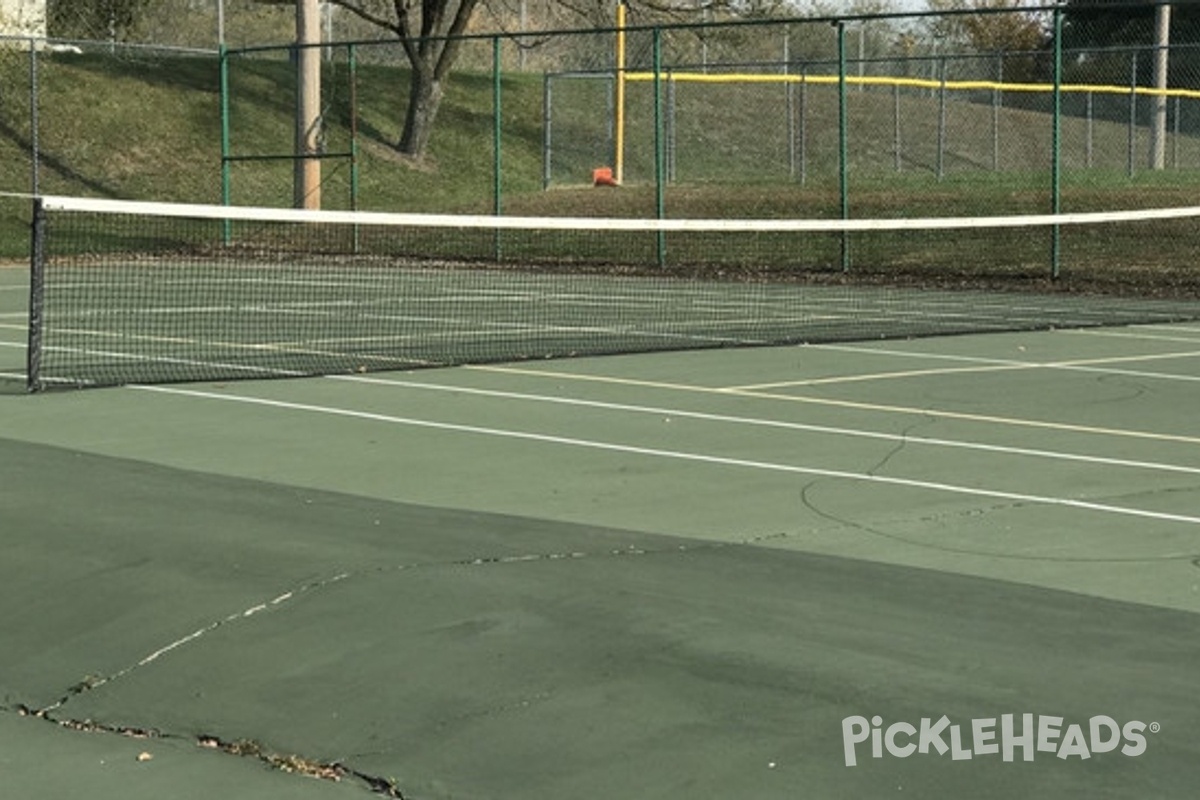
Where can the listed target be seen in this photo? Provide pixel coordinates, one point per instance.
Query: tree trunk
(425, 97)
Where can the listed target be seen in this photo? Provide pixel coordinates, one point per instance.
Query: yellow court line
(908, 83)
(854, 405)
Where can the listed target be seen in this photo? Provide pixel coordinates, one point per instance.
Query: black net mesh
(123, 294)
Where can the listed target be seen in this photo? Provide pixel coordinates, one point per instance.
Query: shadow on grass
(56, 164)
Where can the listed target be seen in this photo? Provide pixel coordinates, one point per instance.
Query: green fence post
(226, 177)
(352, 65)
(497, 122)
(1056, 147)
(660, 205)
(843, 142)
(35, 181)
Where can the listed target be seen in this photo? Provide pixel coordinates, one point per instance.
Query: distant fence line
(705, 104)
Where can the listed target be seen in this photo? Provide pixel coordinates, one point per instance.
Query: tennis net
(129, 292)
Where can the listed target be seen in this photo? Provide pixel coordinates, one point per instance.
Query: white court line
(1015, 497)
(877, 376)
(1180, 327)
(862, 348)
(851, 404)
(1130, 335)
(769, 423)
(1093, 365)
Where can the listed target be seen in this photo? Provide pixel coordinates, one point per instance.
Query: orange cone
(603, 176)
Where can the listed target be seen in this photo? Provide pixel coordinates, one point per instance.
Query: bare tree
(428, 32)
(1002, 26)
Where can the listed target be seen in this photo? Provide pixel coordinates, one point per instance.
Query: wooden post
(1158, 130)
(307, 183)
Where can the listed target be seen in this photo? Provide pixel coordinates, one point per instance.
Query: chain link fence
(920, 115)
(920, 106)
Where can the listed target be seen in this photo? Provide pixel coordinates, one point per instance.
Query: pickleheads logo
(1028, 734)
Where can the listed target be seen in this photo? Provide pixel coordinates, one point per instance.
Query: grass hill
(142, 125)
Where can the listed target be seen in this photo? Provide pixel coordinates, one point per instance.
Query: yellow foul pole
(619, 122)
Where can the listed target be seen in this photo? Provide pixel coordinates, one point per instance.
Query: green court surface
(674, 575)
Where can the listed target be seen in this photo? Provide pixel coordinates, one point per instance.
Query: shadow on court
(173, 633)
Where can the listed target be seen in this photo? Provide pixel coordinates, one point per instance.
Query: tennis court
(656, 575)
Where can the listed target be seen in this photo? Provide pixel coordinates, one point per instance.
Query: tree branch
(367, 16)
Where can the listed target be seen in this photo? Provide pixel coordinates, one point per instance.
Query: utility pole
(1158, 129)
(307, 181)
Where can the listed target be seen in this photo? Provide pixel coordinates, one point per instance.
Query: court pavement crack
(292, 763)
(91, 683)
(333, 771)
(899, 446)
(336, 771)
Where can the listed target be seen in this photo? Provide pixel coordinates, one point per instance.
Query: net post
(37, 283)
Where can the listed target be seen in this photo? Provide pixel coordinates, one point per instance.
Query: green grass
(149, 127)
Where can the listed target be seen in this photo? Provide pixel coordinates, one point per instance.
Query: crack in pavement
(333, 771)
(91, 683)
(336, 771)
(291, 763)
